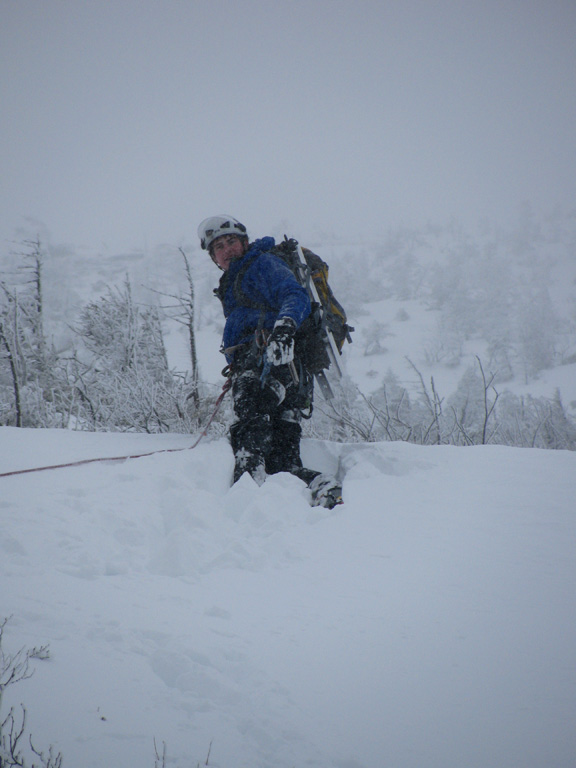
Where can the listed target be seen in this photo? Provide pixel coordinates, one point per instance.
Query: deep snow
(429, 622)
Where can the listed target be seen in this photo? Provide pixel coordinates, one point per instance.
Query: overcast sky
(123, 123)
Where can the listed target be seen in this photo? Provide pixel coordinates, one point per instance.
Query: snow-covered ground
(429, 622)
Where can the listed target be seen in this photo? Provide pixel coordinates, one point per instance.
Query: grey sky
(124, 123)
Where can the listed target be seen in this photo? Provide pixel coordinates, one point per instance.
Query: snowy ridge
(426, 622)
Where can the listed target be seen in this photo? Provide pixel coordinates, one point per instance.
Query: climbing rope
(225, 389)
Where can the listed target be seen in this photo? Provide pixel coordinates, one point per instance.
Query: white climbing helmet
(216, 226)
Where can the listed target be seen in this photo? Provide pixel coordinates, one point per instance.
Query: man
(264, 305)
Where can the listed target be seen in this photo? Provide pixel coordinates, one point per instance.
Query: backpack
(320, 338)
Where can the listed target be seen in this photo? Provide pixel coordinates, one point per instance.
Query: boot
(326, 491)
(249, 441)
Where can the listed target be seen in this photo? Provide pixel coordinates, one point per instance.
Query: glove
(280, 347)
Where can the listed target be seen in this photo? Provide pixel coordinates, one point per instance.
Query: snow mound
(426, 622)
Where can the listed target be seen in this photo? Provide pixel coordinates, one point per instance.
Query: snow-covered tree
(124, 381)
(32, 384)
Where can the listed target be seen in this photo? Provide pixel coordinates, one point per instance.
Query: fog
(124, 124)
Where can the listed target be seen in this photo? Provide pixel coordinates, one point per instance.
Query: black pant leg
(266, 434)
(251, 433)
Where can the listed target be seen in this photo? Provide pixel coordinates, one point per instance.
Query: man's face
(225, 249)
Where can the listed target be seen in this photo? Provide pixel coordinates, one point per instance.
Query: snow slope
(429, 622)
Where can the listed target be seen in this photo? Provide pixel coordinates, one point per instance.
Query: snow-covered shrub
(475, 414)
(16, 746)
(373, 337)
(538, 326)
(534, 422)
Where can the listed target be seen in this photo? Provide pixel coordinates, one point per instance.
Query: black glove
(280, 347)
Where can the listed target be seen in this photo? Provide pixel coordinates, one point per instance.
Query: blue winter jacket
(269, 284)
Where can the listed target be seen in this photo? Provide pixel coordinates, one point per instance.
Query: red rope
(225, 389)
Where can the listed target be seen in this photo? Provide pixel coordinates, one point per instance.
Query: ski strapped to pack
(304, 274)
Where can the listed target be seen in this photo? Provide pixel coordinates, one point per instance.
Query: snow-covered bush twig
(476, 414)
(13, 669)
